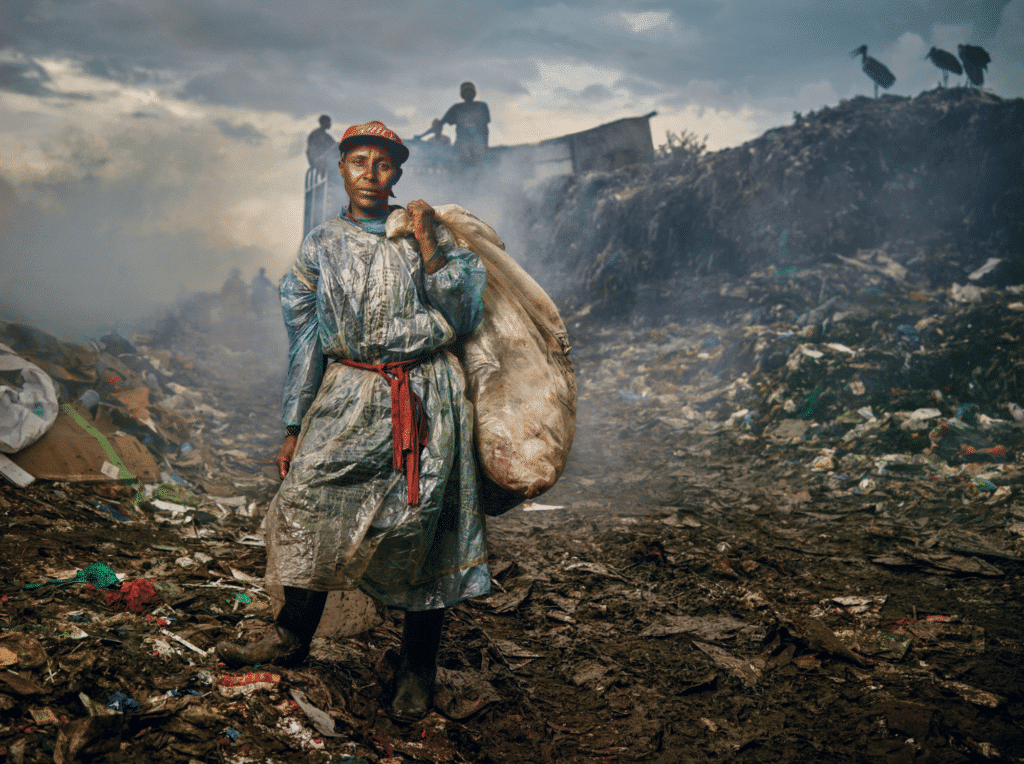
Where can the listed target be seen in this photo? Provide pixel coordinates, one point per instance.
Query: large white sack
(26, 411)
(519, 372)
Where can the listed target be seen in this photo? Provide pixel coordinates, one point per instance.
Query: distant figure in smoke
(234, 295)
(234, 302)
(470, 119)
(321, 148)
(263, 292)
(873, 68)
(946, 61)
(976, 59)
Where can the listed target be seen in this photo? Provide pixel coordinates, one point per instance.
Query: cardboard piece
(68, 452)
(136, 401)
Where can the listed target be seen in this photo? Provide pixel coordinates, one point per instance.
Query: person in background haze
(234, 302)
(321, 150)
(380, 481)
(470, 119)
(234, 295)
(263, 293)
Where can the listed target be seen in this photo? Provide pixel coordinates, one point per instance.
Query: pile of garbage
(756, 512)
(877, 379)
(931, 181)
(149, 415)
(132, 536)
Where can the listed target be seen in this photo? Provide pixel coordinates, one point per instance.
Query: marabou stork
(946, 61)
(874, 69)
(976, 60)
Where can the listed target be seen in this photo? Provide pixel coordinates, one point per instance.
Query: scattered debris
(804, 504)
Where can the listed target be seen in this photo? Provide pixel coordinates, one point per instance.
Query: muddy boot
(288, 644)
(414, 685)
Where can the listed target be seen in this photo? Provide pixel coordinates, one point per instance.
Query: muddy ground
(692, 596)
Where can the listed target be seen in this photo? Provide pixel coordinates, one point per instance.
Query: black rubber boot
(417, 669)
(288, 644)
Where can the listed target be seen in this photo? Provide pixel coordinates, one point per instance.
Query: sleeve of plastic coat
(305, 352)
(457, 289)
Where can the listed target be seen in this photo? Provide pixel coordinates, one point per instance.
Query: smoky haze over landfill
(162, 159)
(791, 527)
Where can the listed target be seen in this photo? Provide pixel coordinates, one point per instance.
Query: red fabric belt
(409, 430)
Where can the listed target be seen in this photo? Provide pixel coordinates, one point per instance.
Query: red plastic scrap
(232, 685)
(250, 677)
(135, 596)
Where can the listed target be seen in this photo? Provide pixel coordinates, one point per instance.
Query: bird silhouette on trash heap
(976, 60)
(873, 68)
(946, 61)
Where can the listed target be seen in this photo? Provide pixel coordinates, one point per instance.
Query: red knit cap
(374, 132)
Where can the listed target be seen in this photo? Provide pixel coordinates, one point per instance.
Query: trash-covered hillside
(791, 528)
(933, 182)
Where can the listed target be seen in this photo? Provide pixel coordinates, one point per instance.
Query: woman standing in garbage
(380, 477)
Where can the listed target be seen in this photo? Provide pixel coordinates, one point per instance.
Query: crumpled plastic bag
(136, 596)
(27, 411)
(520, 376)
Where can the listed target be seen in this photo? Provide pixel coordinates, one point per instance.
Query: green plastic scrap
(176, 494)
(123, 471)
(244, 598)
(984, 485)
(876, 643)
(812, 404)
(99, 574)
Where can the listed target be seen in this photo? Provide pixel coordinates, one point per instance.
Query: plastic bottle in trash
(90, 399)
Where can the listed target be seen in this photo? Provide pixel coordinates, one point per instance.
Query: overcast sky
(149, 146)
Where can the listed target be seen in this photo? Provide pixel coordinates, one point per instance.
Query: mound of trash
(933, 182)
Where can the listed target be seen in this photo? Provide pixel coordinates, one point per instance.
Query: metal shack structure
(599, 149)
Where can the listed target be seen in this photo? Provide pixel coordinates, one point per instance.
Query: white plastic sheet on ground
(520, 376)
(28, 404)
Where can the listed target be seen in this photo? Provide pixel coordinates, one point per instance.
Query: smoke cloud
(114, 229)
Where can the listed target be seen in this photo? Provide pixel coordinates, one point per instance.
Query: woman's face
(369, 172)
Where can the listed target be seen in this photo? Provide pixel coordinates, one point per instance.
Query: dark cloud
(591, 93)
(521, 43)
(307, 56)
(27, 77)
(12, 15)
(244, 132)
(120, 70)
(637, 86)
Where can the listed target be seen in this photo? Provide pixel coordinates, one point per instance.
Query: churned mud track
(708, 613)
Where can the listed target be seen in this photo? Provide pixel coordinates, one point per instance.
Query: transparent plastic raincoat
(341, 518)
